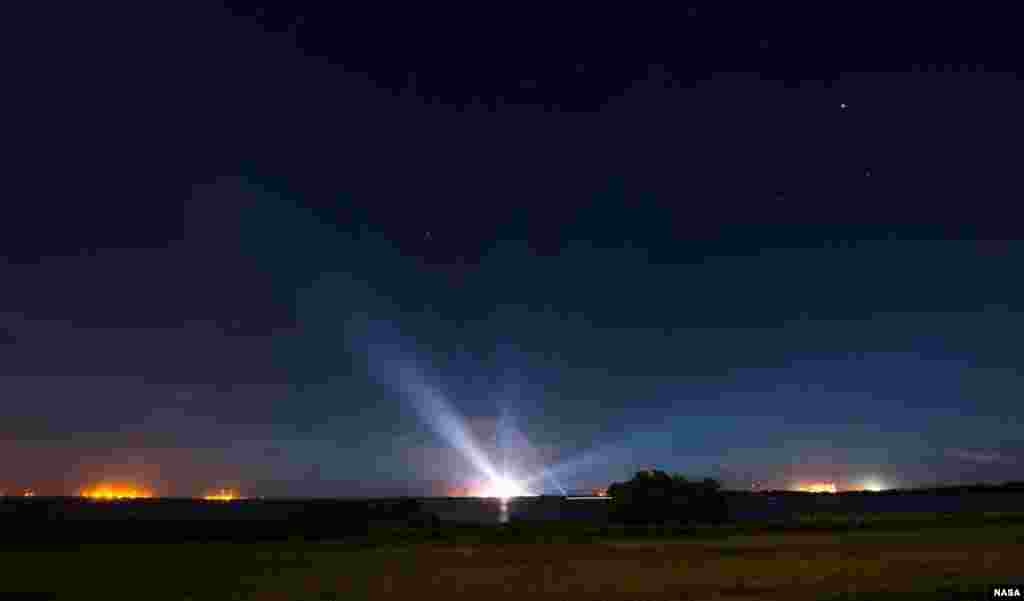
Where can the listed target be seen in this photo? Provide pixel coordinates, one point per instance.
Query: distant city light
(116, 492)
(819, 487)
(28, 493)
(223, 494)
(873, 485)
(459, 491)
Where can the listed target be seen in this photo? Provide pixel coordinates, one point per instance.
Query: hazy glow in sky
(873, 484)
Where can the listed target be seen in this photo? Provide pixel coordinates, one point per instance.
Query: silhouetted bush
(653, 496)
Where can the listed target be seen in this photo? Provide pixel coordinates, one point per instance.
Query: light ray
(572, 465)
(435, 411)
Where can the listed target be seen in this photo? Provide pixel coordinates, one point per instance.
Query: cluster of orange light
(116, 492)
(600, 492)
(471, 488)
(458, 491)
(476, 490)
(223, 494)
(818, 487)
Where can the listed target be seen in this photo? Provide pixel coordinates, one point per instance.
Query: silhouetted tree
(653, 496)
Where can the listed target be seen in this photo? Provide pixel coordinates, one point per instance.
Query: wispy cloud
(980, 456)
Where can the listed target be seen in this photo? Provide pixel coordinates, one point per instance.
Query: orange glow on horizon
(497, 489)
(458, 491)
(116, 492)
(223, 494)
(28, 493)
(826, 487)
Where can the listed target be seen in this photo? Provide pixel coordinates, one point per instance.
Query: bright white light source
(873, 485)
(503, 488)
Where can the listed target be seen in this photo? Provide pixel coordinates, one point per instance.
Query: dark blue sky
(247, 259)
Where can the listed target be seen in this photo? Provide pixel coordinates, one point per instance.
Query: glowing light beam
(435, 410)
(553, 473)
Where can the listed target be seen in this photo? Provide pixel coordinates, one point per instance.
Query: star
(843, 105)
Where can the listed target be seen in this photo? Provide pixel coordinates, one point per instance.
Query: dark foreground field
(823, 557)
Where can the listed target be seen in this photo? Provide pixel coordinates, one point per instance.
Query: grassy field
(865, 563)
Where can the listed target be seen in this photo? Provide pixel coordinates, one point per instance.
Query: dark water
(741, 507)
(318, 513)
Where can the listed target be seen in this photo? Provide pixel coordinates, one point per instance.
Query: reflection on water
(491, 511)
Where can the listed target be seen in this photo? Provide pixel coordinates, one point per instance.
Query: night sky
(254, 247)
